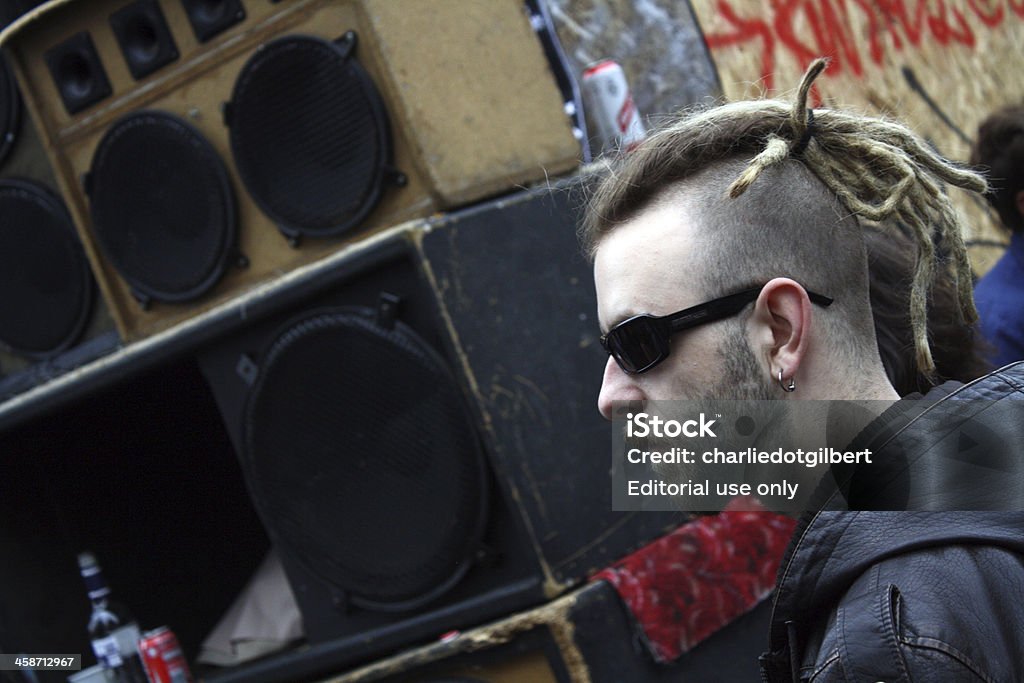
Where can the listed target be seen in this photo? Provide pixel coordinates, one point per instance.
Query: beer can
(163, 658)
(611, 105)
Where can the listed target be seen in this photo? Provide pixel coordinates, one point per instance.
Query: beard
(741, 379)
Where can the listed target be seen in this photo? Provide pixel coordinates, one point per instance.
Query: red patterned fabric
(695, 580)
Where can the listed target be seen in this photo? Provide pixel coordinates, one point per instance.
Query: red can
(162, 657)
(611, 106)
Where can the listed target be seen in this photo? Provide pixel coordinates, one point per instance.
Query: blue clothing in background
(999, 297)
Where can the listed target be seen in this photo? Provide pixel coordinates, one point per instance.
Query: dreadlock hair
(957, 348)
(877, 170)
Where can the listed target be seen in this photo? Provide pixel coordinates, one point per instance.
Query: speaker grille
(45, 281)
(310, 135)
(364, 460)
(162, 206)
(10, 109)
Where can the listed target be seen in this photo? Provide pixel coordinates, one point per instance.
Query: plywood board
(940, 66)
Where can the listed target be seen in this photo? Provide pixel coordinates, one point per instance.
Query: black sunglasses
(641, 342)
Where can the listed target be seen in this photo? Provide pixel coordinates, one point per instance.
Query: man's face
(649, 265)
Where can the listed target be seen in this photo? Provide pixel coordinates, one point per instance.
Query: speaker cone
(10, 109)
(310, 135)
(162, 206)
(77, 72)
(45, 281)
(211, 17)
(145, 40)
(363, 459)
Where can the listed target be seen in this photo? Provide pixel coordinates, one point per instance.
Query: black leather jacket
(912, 596)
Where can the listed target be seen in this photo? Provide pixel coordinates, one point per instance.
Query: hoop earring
(792, 383)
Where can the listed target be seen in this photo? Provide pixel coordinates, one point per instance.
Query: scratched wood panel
(937, 65)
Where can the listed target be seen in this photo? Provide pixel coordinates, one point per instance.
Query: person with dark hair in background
(999, 295)
(730, 263)
(957, 348)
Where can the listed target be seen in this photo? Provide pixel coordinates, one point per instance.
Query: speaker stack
(206, 147)
(409, 370)
(49, 319)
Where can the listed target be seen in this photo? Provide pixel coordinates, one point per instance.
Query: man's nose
(616, 386)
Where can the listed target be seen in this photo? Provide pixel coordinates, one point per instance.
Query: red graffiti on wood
(894, 24)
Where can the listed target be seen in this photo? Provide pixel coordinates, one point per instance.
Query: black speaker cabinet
(50, 319)
(205, 148)
(419, 434)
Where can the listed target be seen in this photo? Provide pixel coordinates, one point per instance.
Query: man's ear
(782, 318)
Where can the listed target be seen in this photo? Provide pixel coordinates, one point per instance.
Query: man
(999, 150)
(723, 277)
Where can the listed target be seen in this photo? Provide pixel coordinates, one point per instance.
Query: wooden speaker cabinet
(586, 636)
(206, 148)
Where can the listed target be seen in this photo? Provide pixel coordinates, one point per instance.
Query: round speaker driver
(162, 206)
(364, 460)
(44, 276)
(310, 135)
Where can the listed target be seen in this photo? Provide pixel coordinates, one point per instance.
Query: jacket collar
(832, 547)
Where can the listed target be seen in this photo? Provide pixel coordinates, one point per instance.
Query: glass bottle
(113, 632)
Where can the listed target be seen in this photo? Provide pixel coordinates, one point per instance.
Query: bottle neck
(95, 584)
